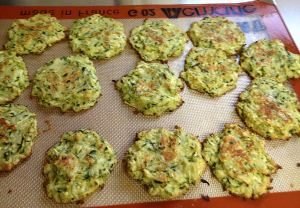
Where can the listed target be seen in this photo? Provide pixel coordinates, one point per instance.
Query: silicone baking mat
(200, 115)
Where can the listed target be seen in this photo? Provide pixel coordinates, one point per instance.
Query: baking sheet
(115, 121)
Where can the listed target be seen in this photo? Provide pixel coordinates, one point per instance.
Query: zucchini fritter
(77, 166)
(218, 33)
(18, 132)
(13, 76)
(167, 162)
(158, 40)
(270, 59)
(270, 109)
(34, 35)
(69, 83)
(238, 160)
(210, 71)
(151, 88)
(97, 37)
